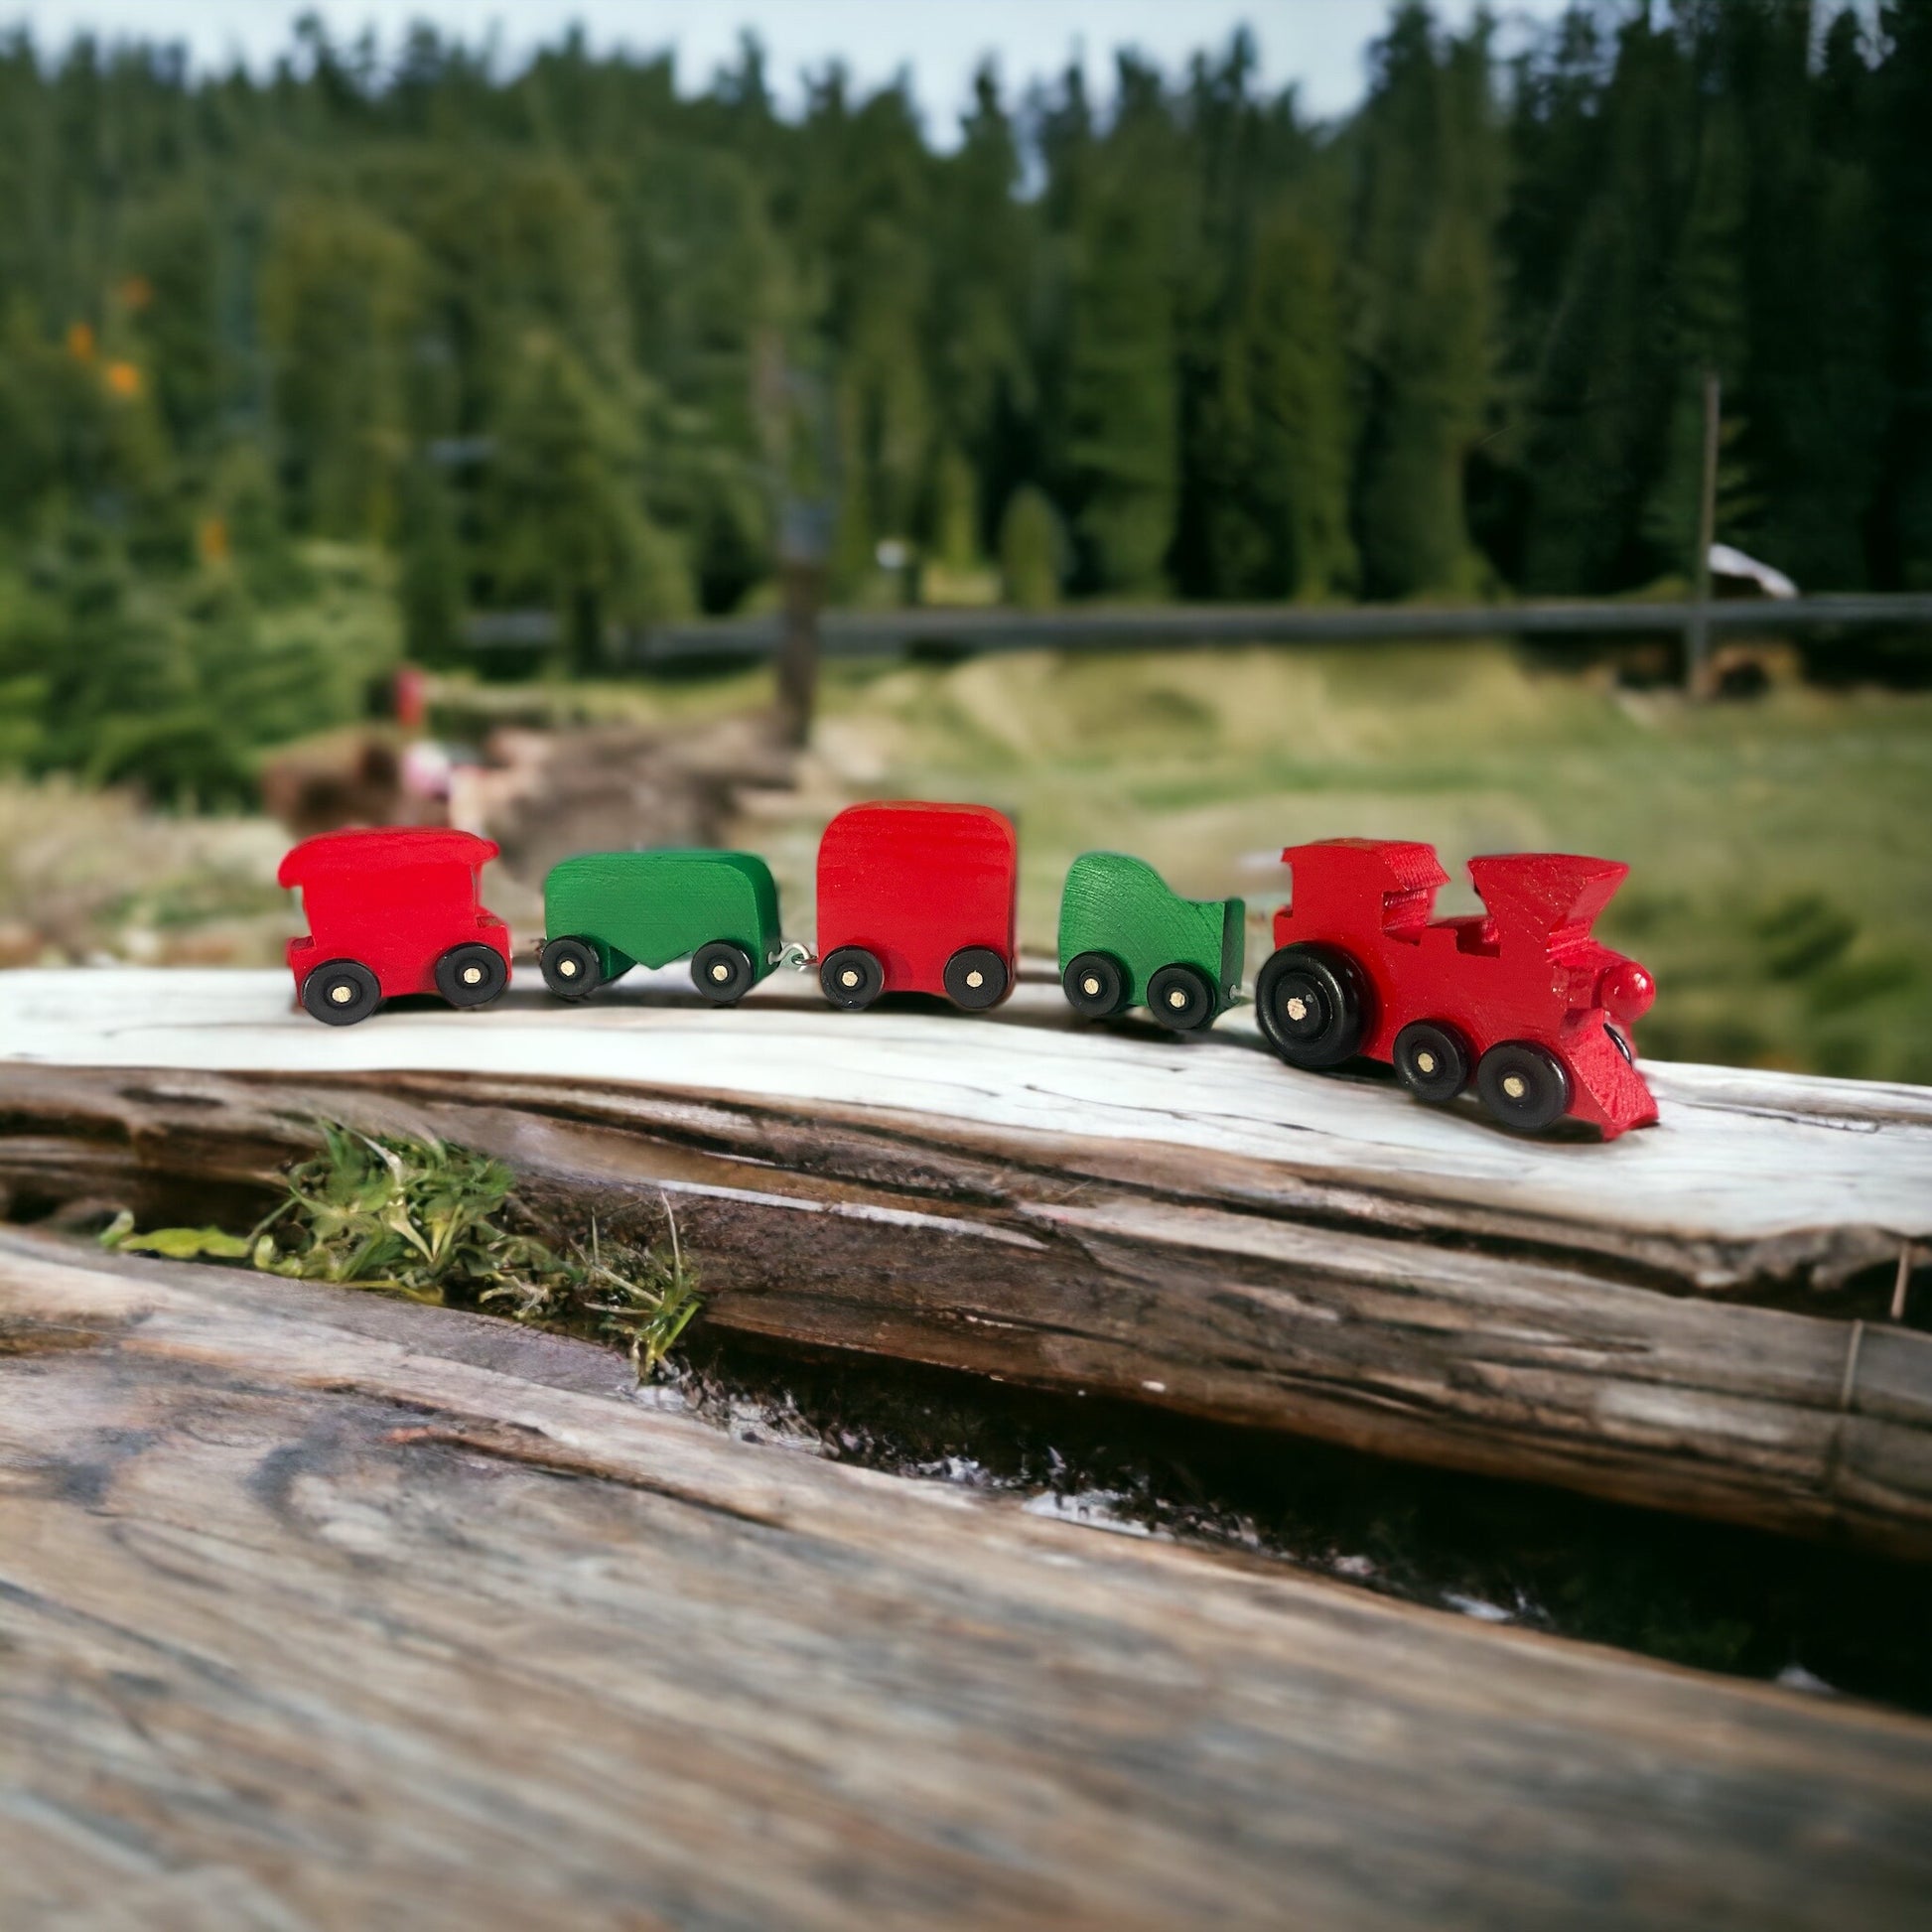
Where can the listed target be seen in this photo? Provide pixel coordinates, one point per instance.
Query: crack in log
(23, 1336)
(530, 1448)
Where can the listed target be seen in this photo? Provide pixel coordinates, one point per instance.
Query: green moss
(430, 1221)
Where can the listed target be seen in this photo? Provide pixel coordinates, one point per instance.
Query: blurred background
(612, 426)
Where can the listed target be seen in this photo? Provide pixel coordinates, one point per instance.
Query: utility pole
(1696, 638)
(804, 540)
(802, 457)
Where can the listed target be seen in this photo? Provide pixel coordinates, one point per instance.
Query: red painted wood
(396, 899)
(1526, 969)
(913, 882)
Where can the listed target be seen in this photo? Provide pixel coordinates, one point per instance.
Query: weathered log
(318, 1610)
(1675, 1319)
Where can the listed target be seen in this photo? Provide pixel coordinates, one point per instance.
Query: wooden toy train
(1518, 1000)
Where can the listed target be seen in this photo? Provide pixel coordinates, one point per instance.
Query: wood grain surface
(1697, 1317)
(318, 1610)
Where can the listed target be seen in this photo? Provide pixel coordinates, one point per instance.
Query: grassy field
(87, 875)
(1781, 882)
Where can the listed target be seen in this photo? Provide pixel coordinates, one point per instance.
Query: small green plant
(425, 1219)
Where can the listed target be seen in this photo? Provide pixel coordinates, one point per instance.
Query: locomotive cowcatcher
(1518, 997)
(918, 898)
(391, 912)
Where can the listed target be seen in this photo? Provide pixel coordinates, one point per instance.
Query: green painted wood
(651, 907)
(1116, 905)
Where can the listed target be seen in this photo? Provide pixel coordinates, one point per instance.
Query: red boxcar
(391, 913)
(1520, 997)
(918, 898)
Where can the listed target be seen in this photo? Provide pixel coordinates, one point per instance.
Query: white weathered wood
(318, 1610)
(1736, 1155)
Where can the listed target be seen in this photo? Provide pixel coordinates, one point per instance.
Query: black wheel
(1312, 1004)
(1524, 1086)
(1095, 985)
(570, 968)
(975, 977)
(340, 993)
(852, 977)
(721, 972)
(1180, 998)
(1431, 1060)
(472, 975)
(1621, 1045)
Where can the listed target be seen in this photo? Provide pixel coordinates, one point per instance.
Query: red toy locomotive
(1519, 996)
(918, 898)
(391, 913)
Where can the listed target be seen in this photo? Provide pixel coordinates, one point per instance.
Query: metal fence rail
(885, 634)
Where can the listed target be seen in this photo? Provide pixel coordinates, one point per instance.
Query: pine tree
(984, 261)
(1121, 428)
(341, 290)
(955, 511)
(1901, 112)
(1830, 399)
(1709, 332)
(1032, 550)
(565, 506)
(1592, 231)
(1293, 381)
(430, 580)
(867, 209)
(1425, 267)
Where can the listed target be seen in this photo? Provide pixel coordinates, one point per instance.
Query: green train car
(1127, 940)
(605, 913)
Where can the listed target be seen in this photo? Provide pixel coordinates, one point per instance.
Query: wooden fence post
(1696, 638)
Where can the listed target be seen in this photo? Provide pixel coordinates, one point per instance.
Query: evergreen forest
(300, 369)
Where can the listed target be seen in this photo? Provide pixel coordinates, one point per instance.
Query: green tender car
(1127, 940)
(608, 912)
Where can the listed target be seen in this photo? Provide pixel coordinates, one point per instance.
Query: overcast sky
(1317, 44)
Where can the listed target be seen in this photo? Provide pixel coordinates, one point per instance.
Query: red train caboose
(918, 898)
(391, 912)
(1520, 996)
